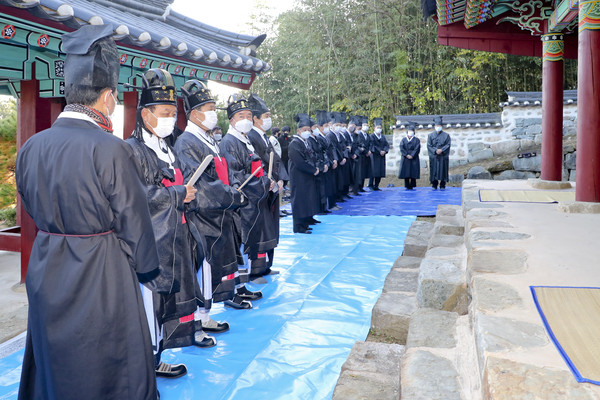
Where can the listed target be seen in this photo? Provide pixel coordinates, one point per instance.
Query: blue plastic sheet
(292, 344)
(423, 201)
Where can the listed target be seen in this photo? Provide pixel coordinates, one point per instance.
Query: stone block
(518, 131)
(426, 376)
(570, 160)
(407, 262)
(527, 144)
(480, 155)
(493, 334)
(507, 380)
(512, 174)
(579, 207)
(478, 172)
(503, 261)
(473, 204)
(505, 147)
(476, 237)
(372, 370)
(548, 185)
(475, 146)
(391, 315)
(432, 328)
(493, 296)
(440, 240)
(442, 286)
(533, 130)
(537, 140)
(401, 281)
(532, 121)
(572, 175)
(415, 244)
(456, 178)
(456, 162)
(528, 164)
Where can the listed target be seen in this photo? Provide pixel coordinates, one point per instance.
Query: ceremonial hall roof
(149, 34)
(531, 99)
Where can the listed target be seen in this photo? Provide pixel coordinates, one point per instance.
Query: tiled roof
(530, 99)
(464, 121)
(153, 25)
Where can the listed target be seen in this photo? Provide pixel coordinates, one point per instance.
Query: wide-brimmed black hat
(411, 126)
(285, 128)
(378, 121)
(343, 117)
(303, 120)
(364, 120)
(437, 120)
(158, 87)
(195, 93)
(92, 59)
(356, 120)
(236, 103)
(323, 117)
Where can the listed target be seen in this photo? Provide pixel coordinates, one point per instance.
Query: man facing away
(87, 333)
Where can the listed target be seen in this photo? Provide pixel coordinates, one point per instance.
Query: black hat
(343, 118)
(92, 59)
(195, 93)
(356, 120)
(322, 117)
(411, 126)
(438, 120)
(158, 87)
(364, 120)
(236, 103)
(257, 105)
(303, 120)
(285, 128)
(378, 121)
(275, 130)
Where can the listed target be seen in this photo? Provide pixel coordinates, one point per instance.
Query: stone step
(432, 328)
(407, 262)
(449, 221)
(401, 280)
(372, 371)
(442, 285)
(429, 374)
(417, 238)
(391, 315)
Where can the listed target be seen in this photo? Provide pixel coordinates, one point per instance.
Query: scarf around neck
(99, 118)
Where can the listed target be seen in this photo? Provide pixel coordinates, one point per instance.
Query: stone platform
(471, 330)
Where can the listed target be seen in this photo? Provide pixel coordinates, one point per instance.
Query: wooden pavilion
(149, 35)
(553, 30)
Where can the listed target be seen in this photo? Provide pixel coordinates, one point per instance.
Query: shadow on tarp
(422, 202)
(292, 344)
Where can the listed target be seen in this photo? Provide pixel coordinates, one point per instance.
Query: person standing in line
(274, 139)
(284, 141)
(303, 170)
(410, 147)
(438, 147)
(379, 148)
(87, 333)
(365, 157)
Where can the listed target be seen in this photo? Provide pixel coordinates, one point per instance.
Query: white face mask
(317, 131)
(164, 126)
(267, 124)
(378, 131)
(210, 119)
(352, 128)
(327, 130)
(217, 137)
(365, 128)
(243, 125)
(305, 135)
(410, 133)
(108, 113)
(438, 128)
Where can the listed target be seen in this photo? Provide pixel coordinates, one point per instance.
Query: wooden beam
(563, 15)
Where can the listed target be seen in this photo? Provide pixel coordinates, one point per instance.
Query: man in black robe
(263, 253)
(331, 152)
(323, 164)
(303, 170)
(410, 147)
(211, 216)
(379, 148)
(338, 148)
(365, 155)
(87, 335)
(438, 147)
(349, 134)
(285, 139)
(170, 298)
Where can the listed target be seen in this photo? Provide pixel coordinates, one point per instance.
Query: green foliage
(8, 120)
(8, 216)
(379, 58)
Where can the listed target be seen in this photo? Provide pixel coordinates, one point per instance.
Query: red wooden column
(588, 103)
(181, 118)
(130, 101)
(27, 120)
(552, 106)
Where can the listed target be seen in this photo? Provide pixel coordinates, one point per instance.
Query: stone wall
(521, 130)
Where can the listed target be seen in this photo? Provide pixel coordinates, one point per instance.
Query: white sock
(201, 314)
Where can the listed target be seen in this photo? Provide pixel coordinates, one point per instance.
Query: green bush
(8, 216)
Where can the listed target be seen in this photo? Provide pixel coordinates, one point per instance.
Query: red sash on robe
(178, 181)
(222, 170)
(256, 164)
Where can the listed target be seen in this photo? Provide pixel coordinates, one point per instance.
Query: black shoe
(204, 341)
(434, 187)
(246, 294)
(376, 188)
(303, 230)
(238, 303)
(347, 197)
(213, 326)
(314, 221)
(335, 208)
(442, 187)
(165, 370)
(362, 190)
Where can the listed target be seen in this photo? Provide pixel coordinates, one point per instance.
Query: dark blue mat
(292, 344)
(422, 201)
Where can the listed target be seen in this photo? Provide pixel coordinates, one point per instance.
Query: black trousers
(374, 182)
(435, 184)
(410, 183)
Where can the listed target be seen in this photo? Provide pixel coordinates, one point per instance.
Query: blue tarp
(292, 344)
(423, 201)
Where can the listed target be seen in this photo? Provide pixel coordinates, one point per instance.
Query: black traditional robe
(212, 215)
(378, 144)
(322, 161)
(284, 142)
(302, 166)
(351, 163)
(339, 148)
(176, 287)
(87, 333)
(258, 231)
(365, 160)
(410, 168)
(330, 177)
(438, 163)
